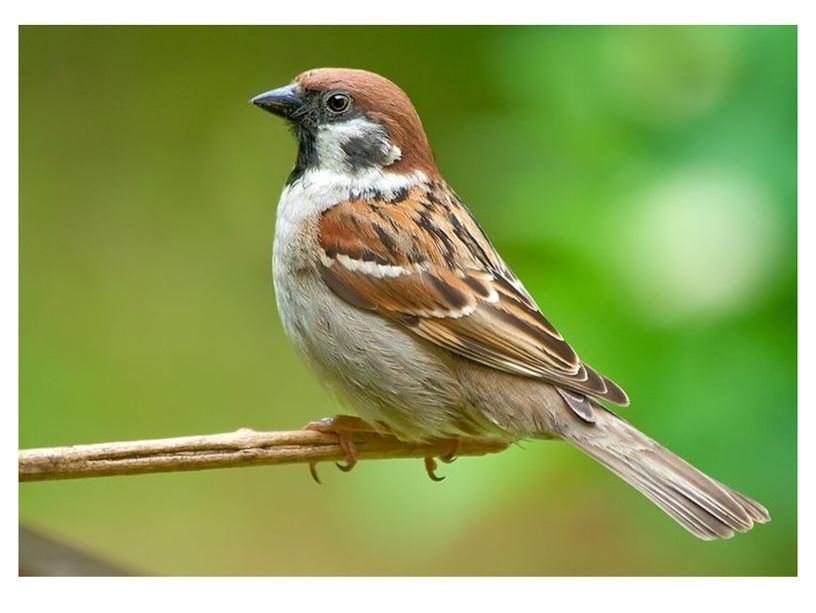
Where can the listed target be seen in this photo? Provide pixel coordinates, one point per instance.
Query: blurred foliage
(640, 180)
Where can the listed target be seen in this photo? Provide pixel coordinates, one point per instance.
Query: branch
(245, 447)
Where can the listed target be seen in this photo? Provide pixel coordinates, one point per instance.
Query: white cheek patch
(329, 146)
(333, 138)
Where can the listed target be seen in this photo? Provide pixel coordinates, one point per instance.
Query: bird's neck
(325, 187)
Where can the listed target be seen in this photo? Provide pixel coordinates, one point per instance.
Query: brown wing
(417, 257)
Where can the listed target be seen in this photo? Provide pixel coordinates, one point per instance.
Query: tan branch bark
(244, 447)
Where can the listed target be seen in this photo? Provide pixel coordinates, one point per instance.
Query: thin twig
(244, 447)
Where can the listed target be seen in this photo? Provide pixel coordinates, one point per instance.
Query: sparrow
(394, 296)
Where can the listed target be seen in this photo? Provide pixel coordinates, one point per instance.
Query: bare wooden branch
(244, 447)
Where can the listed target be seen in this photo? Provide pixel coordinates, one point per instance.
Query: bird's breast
(386, 373)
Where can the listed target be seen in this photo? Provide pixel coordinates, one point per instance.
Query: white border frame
(339, 594)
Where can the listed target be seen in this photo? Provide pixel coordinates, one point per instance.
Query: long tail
(706, 508)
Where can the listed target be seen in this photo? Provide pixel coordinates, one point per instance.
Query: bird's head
(350, 121)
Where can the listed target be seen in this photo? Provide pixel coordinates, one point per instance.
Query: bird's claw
(430, 468)
(347, 445)
(342, 426)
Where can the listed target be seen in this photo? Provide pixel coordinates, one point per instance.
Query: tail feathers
(704, 507)
(758, 513)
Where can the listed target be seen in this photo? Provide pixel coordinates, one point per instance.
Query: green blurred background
(640, 180)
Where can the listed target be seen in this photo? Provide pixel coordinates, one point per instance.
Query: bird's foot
(448, 458)
(344, 427)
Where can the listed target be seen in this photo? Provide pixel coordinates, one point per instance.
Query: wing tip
(579, 404)
(615, 393)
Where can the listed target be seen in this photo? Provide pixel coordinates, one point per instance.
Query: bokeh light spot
(703, 243)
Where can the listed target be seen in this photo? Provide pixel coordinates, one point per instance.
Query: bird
(395, 298)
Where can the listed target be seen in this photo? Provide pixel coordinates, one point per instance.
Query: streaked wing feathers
(419, 258)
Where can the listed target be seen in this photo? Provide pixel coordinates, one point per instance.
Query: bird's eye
(338, 103)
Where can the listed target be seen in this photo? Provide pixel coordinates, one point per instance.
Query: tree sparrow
(395, 297)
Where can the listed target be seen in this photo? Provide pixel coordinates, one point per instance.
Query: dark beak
(284, 101)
